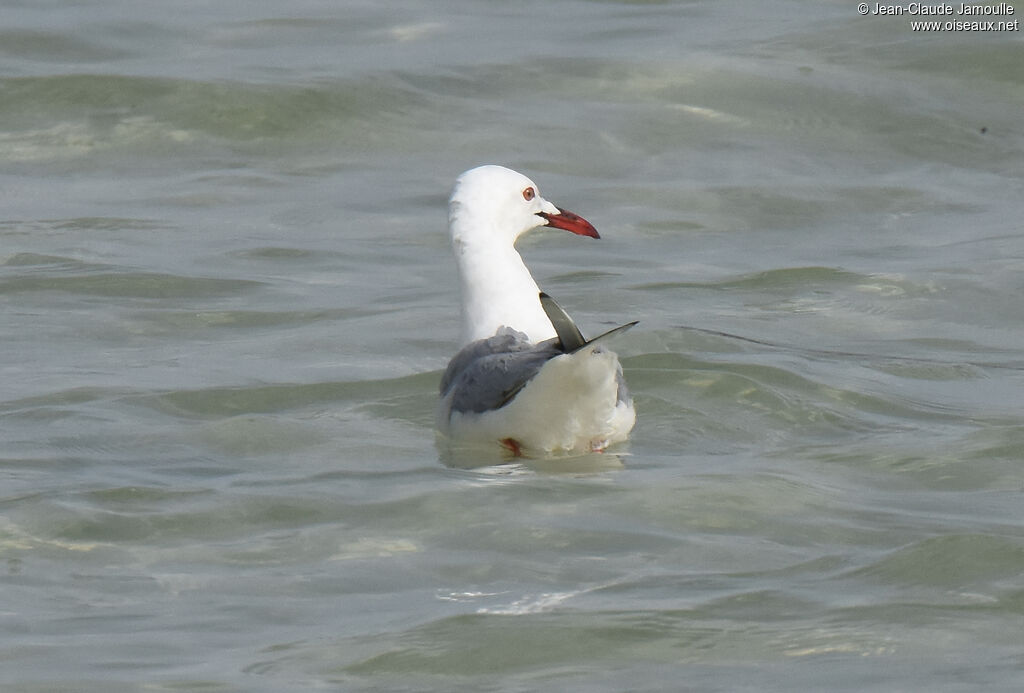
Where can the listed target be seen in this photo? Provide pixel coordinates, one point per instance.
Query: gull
(525, 378)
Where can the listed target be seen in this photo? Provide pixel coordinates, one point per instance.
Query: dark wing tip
(568, 334)
(610, 333)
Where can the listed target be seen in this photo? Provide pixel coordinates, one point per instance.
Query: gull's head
(496, 205)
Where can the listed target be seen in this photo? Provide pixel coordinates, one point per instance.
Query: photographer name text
(926, 10)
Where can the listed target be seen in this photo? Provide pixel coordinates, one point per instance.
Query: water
(227, 296)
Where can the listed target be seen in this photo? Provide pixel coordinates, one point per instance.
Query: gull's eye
(529, 194)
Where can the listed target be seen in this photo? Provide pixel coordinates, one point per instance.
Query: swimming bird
(525, 378)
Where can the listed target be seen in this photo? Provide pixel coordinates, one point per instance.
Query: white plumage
(525, 377)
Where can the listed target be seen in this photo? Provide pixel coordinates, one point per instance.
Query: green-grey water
(226, 298)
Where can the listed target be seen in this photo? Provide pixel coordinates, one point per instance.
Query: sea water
(226, 298)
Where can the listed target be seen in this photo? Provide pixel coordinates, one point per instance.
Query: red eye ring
(529, 194)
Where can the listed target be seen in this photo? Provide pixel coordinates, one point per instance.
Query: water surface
(227, 298)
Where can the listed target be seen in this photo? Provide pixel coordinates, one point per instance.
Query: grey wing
(488, 373)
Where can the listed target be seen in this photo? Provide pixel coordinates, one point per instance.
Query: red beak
(573, 223)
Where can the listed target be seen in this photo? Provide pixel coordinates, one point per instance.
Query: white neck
(497, 290)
